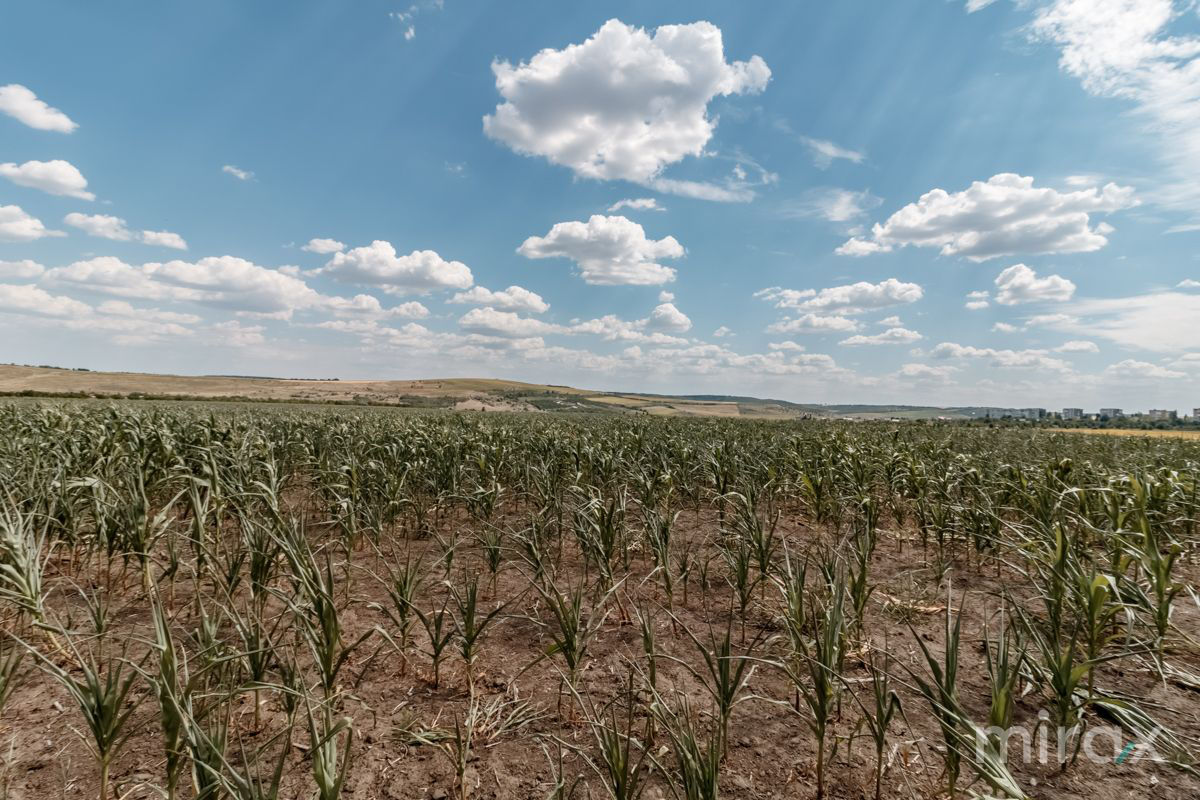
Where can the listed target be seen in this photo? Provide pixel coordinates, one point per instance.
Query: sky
(953, 203)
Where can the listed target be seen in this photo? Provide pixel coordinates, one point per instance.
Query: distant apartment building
(1196, 413)
(1161, 415)
(1111, 413)
(1072, 413)
(1029, 413)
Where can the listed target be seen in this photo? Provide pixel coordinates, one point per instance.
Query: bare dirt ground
(771, 752)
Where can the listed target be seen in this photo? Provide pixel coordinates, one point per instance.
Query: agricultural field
(255, 602)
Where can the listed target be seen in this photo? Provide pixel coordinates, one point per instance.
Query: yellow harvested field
(1130, 432)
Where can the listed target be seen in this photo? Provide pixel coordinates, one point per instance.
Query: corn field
(254, 603)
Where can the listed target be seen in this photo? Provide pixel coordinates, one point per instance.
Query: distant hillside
(469, 394)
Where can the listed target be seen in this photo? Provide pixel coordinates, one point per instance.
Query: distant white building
(1111, 413)
(1196, 413)
(1161, 415)
(1072, 413)
(1029, 413)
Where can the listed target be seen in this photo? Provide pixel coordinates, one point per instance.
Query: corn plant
(314, 604)
(725, 673)
(885, 705)
(103, 693)
(622, 762)
(402, 583)
(697, 755)
(470, 623)
(24, 550)
(439, 627)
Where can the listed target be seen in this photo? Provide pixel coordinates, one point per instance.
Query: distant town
(1104, 417)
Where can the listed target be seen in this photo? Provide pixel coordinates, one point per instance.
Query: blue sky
(917, 201)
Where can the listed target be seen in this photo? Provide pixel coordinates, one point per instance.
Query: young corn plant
(315, 606)
(25, 549)
(941, 692)
(1157, 557)
(574, 626)
(885, 705)
(330, 763)
(402, 583)
(697, 754)
(962, 740)
(725, 674)
(1004, 657)
(740, 575)
(814, 669)
(439, 627)
(622, 762)
(103, 692)
(471, 622)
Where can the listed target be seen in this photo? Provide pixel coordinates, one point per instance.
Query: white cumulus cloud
(1020, 284)
(323, 246)
(853, 298)
(18, 226)
(666, 317)
(814, 323)
(609, 250)
(1004, 215)
(377, 264)
(106, 226)
(1077, 346)
(56, 177)
(624, 104)
(514, 298)
(20, 103)
(491, 322)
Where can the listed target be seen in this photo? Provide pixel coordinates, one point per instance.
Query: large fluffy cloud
(1004, 215)
(222, 281)
(20, 103)
(53, 177)
(624, 104)
(609, 250)
(514, 298)
(1020, 284)
(1124, 49)
(18, 226)
(377, 264)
